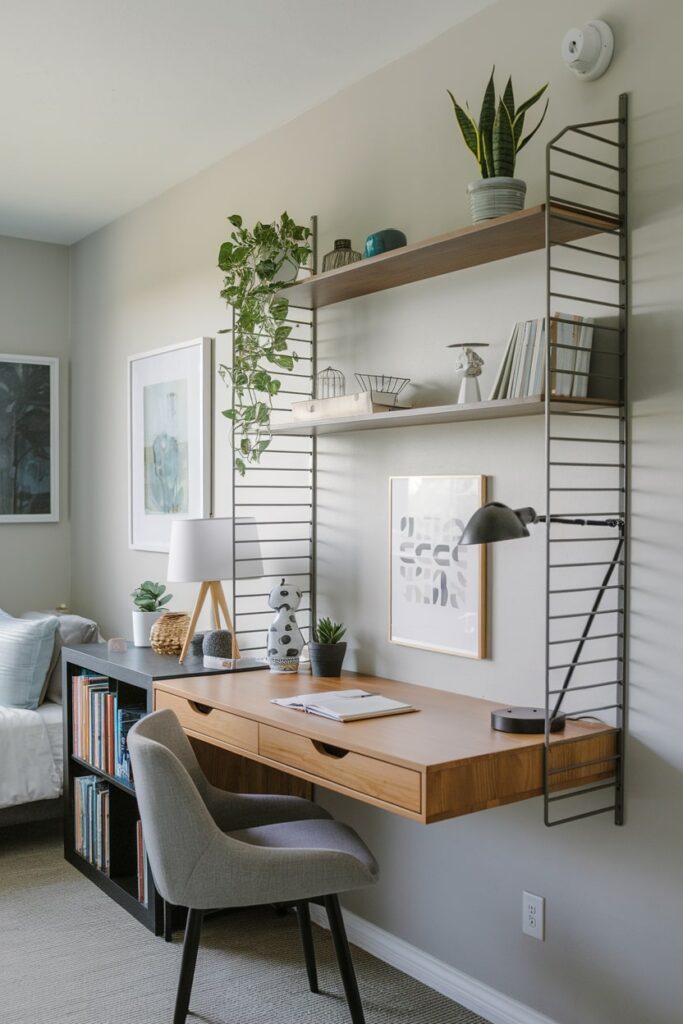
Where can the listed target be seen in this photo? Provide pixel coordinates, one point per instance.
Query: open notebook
(345, 705)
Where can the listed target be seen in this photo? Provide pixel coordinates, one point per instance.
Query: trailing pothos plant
(253, 262)
(498, 136)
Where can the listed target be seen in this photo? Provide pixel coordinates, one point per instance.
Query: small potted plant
(326, 649)
(150, 605)
(495, 140)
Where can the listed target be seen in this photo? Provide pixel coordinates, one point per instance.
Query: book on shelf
(100, 725)
(522, 369)
(125, 720)
(345, 705)
(91, 820)
(571, 344)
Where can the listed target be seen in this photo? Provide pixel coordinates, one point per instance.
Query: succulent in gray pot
(326, 649)
(495, 140)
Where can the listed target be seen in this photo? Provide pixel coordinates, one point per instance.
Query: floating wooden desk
(441, 762)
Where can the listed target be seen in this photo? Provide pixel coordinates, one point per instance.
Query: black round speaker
(524, 720)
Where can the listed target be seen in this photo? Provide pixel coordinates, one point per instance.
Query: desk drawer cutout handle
(328, 750)
(201, 709)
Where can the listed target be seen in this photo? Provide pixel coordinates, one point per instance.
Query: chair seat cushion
(317, 834)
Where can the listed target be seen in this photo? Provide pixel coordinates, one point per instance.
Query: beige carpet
(68, 955)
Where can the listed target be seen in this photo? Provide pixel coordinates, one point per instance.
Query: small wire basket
(385, 389)
(330, 383)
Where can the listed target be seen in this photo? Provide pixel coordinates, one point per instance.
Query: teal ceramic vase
(383, 241)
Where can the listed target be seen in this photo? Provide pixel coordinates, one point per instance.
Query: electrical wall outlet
(533, 915)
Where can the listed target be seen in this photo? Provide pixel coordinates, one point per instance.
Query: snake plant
(498, 136)
(328, 632)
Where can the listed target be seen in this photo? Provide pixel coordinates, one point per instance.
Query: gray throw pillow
(71, 630)
(25, 655)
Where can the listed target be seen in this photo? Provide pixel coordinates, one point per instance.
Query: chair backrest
(169, 783)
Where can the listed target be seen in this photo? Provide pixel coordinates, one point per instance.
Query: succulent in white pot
(495, 140)
(150, 600)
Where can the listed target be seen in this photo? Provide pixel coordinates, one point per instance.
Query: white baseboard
(461, 988)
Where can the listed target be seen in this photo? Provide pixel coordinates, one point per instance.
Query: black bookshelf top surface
(141, 665)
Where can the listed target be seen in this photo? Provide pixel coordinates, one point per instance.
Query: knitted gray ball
(217, 643)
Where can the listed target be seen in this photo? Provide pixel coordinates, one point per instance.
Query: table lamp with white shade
(201, 551)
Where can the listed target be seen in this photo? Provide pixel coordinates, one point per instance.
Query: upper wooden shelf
(491, 240)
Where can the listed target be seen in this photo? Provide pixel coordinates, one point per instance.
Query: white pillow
(71, 630)
(25, 655)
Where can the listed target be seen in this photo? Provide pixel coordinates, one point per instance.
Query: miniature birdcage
(330, 383)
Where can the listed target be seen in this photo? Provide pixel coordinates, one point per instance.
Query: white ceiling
(105, 104)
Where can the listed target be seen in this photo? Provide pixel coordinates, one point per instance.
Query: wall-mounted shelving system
(561, 223)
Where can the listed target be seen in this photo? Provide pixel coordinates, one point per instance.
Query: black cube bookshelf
(131, 676)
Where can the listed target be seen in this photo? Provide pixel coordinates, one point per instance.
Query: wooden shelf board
(425, 415)
(471, 246)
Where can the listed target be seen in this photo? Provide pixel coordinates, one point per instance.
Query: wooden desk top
(447, 745)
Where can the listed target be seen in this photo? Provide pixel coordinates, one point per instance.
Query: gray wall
(34, 320)
(385, 152)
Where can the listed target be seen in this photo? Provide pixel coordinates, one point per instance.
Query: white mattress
(30, 754)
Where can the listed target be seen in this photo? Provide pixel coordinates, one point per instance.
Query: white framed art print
(437, 589)
(29, 439)
(169, 401)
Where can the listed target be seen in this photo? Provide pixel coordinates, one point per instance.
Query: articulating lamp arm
(617, 524)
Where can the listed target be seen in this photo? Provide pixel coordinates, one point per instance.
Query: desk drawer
(389, 782)
(210, 722)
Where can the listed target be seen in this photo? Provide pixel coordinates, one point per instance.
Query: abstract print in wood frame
(437, 590)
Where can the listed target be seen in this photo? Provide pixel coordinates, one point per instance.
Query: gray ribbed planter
(493, 197)
(326, 659)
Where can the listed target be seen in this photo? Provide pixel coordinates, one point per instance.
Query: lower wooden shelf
(505, 408)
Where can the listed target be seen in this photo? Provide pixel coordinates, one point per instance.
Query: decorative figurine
(285, 641)
(472, 364)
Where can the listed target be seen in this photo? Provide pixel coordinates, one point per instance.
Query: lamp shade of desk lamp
(495, 522)
(201, 551)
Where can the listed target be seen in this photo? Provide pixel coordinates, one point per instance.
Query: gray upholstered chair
(209, 849)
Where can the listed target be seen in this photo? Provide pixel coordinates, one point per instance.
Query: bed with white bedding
(31, 766)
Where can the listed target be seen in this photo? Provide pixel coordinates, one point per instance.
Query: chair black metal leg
(190, 947)
(341, 946)
(304, 917)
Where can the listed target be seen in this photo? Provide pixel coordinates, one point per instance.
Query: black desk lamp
(494, 522)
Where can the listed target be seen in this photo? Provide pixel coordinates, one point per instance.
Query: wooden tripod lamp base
(218, 605)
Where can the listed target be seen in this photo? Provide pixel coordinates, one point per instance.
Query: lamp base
(524, 720)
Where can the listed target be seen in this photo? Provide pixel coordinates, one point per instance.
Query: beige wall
(34, 320)
(385, 152)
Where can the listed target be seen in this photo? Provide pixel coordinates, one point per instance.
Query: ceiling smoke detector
(588, 51)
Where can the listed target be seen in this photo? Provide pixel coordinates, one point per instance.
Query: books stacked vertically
(571, 341)
(91, 820)
(100, 726)
(522, 369)
(125, 720)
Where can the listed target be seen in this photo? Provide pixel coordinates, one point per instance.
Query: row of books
(91, 829)
(100, 726)
(91, 820)
(522, 368)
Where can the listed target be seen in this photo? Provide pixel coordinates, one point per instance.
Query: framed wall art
(169, 395)
(437, 590)
(29, 439)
